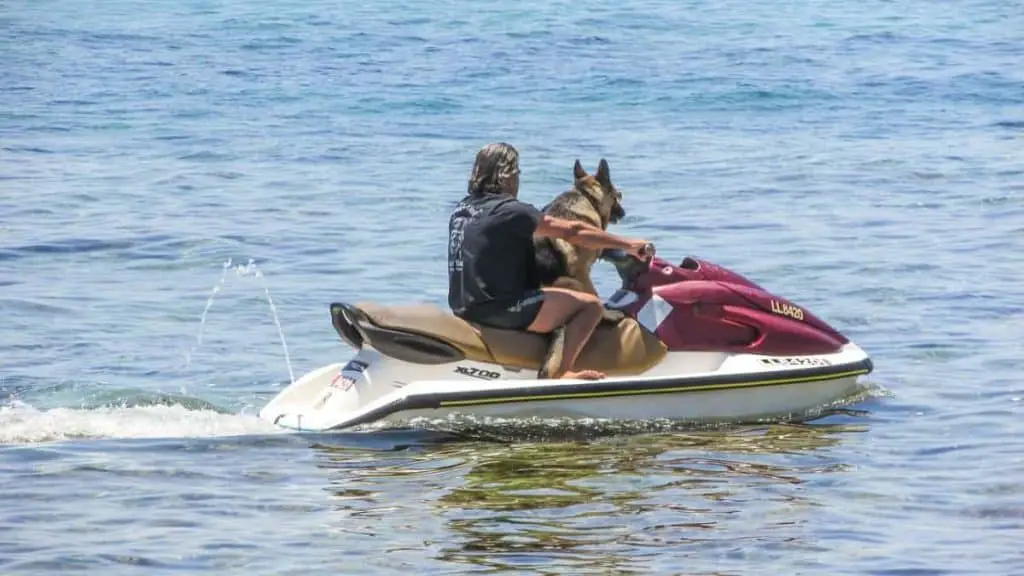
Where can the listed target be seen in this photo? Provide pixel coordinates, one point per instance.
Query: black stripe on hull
(615, 388)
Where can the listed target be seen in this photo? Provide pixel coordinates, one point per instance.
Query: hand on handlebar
(641, 250)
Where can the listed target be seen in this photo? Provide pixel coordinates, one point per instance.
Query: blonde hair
(495, 164)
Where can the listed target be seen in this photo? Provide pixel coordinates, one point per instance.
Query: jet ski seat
(427, 334)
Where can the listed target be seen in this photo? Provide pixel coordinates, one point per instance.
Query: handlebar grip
(649, 250)
(618, 255)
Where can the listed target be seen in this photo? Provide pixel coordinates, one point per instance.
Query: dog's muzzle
(618, 213)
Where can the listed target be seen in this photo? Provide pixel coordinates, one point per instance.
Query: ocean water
(184, 186)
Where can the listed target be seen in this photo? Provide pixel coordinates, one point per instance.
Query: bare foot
(583, 375)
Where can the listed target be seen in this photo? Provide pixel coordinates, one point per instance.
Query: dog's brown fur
(592, 199)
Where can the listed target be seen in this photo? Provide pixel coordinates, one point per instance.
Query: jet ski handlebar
(648, 252)
(618, 256)
(627, 265)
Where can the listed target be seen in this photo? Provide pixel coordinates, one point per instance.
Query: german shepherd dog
(592, 199)
(596, 201)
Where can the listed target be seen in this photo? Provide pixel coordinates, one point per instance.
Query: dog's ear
(603, 174)
(578, 171)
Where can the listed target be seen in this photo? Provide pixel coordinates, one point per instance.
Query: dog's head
(599, 188)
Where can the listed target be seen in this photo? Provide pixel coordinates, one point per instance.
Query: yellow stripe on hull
(706, 387)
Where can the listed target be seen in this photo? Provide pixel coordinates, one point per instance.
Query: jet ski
(693, 342)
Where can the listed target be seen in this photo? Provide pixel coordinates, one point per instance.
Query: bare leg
(588, 286)
(609, 315)
(580, 314)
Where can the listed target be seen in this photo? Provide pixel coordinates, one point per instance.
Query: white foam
(23, 424)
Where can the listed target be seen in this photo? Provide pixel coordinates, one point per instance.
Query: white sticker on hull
(654, 312)
(347, 376)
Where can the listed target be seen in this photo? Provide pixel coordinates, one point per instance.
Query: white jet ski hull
(703, 387)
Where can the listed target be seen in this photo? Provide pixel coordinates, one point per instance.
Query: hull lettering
(795, 361)
(783, 309)
(477, 373)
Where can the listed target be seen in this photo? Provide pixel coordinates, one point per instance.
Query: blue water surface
(184, 186)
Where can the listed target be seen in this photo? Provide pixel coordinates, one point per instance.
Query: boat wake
(22, 423)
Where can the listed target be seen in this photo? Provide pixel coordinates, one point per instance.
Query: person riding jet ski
(492, 277)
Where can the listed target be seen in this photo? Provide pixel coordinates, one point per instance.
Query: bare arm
(582, 234)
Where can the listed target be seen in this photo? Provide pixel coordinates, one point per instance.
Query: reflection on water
(596, 505)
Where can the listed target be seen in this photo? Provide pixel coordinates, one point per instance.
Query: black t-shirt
(490, 250)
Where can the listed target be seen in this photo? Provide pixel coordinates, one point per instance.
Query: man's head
(495, 171)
